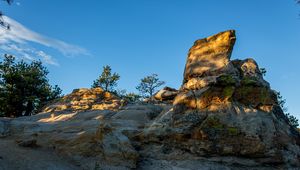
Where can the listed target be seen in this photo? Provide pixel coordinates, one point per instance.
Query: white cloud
(47, 58)
(27, 53)
(17, 37)
(18, 3)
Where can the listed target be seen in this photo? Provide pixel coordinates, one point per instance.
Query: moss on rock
(226, 80)
(228, 91)
(254, 96)
(249, 81)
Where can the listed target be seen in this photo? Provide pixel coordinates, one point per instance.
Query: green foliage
(119, 93)
(263, 71)
(24, 88)
(226, 80)
(228, 91)
(233, 131)
(293, 121)
(132, 97)
(129, 97)
(149, 84)
(214, 122)
(107, 81)
(249, 81)
(281, 101)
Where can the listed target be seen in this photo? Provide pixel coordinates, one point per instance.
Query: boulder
(166, 94)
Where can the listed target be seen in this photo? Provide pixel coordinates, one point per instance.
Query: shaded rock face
(226, 108)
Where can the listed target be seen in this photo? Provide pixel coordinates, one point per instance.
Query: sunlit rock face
(85, 99)
(209, 55)
(166, 94)
(212, 81)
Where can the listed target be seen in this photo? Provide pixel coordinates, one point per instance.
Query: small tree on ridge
(107, 80)
(149, 84)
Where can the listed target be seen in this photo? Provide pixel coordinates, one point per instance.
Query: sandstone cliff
(224, 116)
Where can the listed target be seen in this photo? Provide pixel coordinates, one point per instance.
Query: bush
(129, 97)
(132, 97)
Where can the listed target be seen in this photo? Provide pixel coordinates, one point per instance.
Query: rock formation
(85, 99)
(224, 116)
(226, 108)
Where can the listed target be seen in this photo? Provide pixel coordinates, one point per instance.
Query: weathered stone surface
(209, 55)
(89, 138)
(226, 109)
(140, 113)
(85, 99)
(166, 94)
(238, 131)
(250, 72)
(4, 128)
(27, 143)
(199, 83)
(85, 138)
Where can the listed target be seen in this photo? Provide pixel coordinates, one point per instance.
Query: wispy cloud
(16, 40)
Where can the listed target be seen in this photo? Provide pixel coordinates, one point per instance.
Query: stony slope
(225, 116)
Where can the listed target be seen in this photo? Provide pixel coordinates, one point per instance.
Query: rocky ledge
(224, 116)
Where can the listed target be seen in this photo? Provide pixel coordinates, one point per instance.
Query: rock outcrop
(85, 99)
(210, 55)
(224, 116)
(226, 108)
(86, 139)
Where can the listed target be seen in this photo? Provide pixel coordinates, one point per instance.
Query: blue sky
(139, 37)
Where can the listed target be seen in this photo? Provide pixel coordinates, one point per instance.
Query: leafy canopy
(24, 88)
(107, 80)
(149, 84)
